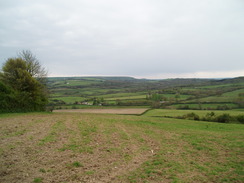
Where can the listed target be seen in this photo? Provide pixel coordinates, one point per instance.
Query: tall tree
(23, 78)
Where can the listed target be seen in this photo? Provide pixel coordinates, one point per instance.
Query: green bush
(240, 118)
(21, 90)
(209, 117)
(191, 116)
(223, 118)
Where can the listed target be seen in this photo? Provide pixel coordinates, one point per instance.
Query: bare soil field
(99, 148)
(106, 111)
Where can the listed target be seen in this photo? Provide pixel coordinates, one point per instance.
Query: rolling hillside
(127, 91)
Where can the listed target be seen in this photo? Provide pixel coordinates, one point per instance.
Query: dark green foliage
(133, 103)
(156, 97)
(191, 116)
(184, 107)
(19, 90)
(212, 117)
(7, 98)
(209, 117)
(240, 118)
(223, 118)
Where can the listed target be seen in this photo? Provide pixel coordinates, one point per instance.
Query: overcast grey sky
(140, 38)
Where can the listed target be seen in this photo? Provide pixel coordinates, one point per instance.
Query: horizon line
(135, 77)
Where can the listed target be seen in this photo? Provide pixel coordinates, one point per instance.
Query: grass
(195, 140)
(201, 113)
(121, 148)
(38, 179)
(52, 135)
(217, 99)
(77, 164)
(233, 93)
(75, 82)
(127, 97)
(107, 97)
(222, 85)
(225, 97)
(123, 94)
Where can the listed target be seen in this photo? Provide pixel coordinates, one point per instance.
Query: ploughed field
(107, 111)
(83, 147)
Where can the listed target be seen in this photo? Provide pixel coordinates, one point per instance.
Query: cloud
(213, 74)
(140, 37)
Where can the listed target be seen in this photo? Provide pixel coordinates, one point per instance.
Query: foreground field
(79, 147)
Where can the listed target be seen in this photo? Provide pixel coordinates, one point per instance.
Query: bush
(209, 117)
(223, 118)
(240, 118)
(191, 116)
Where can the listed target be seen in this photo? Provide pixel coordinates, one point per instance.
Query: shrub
(240, 118)
(209, 116)
(223, 118)
(191, 116)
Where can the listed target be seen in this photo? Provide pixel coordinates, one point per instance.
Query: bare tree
(33, 65)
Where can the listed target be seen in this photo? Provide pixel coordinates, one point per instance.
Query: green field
(69, 100)
(233, 93)
(127, 97)
(170, 93)
(75, 147)
(175, 113)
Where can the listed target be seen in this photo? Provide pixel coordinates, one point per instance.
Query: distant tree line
(212, 117)
(22, 84)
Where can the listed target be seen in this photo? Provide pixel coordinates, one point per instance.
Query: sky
(153, 39)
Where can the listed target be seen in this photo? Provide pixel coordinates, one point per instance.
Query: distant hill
(128, 91)
(231, 80)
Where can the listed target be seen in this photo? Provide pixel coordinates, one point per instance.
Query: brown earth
(106, 111)
(47, 146)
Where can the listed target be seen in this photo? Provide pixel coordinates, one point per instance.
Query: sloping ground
(201, 113)
(78, 147)
(106, 111)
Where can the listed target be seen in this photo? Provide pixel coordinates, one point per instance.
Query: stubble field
(81, 147)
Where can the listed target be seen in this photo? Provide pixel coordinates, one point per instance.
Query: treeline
(22, 84)
(212, 117)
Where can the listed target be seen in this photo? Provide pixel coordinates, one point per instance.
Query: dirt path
(106, 111)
